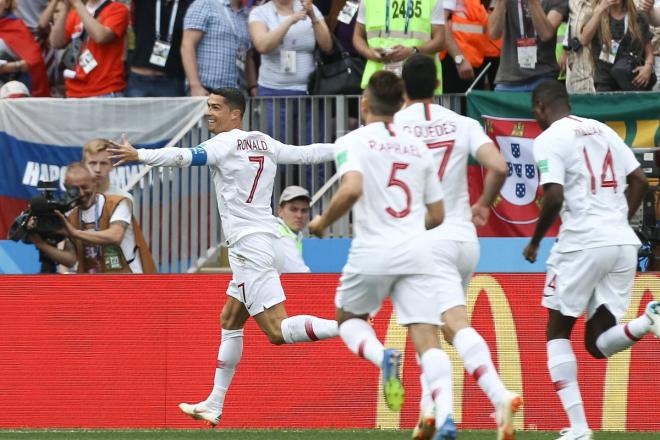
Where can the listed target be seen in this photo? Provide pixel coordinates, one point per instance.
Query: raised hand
(123, 152)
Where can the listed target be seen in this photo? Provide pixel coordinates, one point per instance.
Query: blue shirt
(225, 33)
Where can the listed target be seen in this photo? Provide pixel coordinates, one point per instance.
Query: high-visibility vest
(469, 28)
(380, 35)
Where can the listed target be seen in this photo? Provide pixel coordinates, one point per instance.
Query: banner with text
(39, 137)
(507, 119)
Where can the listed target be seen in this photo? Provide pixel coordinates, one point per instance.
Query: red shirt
(108, 75)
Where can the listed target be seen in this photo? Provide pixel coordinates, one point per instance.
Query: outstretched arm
(124, 152)
(305, 154)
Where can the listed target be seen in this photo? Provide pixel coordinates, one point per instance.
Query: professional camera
(42, 207)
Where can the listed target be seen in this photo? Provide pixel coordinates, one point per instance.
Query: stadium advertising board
(123, 351)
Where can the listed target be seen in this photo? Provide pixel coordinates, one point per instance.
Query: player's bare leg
(282, 329)
(436, 369)
(233, 317)
(361, 339)
(475, 354)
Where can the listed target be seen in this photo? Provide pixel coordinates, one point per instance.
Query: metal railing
(176, 207)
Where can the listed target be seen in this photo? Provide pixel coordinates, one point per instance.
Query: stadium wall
(123, 351)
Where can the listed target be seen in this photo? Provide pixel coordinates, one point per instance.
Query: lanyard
(96, 221)
(409, 11)
(521, 20)
(170, 29)
(625, 27)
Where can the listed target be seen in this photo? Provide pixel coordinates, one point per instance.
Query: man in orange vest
(467, 44)
(104, 236)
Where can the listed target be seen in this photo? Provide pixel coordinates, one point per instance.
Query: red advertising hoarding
(123, 351)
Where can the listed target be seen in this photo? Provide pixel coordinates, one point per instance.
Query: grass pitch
(283, 435)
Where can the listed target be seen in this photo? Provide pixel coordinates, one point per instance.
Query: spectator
(579, 66)
(156, 68)
(14, 89)
(103, 235)
(529, 33)
(341, 22)
(20, 55)
(52, 57)
(96, 158)
(285, 33)
(466, 40)
(616, 31)
(95, 32)
(215, 47)
(386, 36)
(293, 216)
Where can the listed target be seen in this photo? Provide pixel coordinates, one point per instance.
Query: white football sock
(426, 402)
(229, 354)
(622, 336)
(437, 369)
(563, 373)
(361, 339)
(306, 328)
(475, 354)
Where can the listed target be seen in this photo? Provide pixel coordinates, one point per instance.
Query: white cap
(293, 192)
(14, 89)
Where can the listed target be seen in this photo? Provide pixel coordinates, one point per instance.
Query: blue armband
(198, 156)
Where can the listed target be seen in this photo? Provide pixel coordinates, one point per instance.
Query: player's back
(451, 138)
(389, 217)
(592, 163)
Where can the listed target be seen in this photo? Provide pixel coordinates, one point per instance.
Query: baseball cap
(14, 89)
(293, 192)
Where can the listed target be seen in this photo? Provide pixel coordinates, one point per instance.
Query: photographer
(103, 235)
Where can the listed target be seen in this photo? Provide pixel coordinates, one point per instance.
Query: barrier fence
(123, 351)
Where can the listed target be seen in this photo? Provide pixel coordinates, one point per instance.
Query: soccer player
(584, 169)
(387, 176)
(243, 166)
(451, 138)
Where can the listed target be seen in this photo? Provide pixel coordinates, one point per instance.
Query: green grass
(284, 434)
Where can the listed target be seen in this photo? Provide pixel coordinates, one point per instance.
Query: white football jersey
(591, 162)
(243, 166)
(451, 138)
(388, 219)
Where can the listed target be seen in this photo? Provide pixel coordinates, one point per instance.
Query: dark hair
(551, 93)
(384, 93)
(419, 76)
(234, 98)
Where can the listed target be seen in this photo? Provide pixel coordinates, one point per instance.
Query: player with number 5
(243, 166)
(593, 179)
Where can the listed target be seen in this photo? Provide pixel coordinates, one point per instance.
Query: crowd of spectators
(153, 48)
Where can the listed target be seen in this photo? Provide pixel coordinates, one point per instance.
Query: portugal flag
(516, 209)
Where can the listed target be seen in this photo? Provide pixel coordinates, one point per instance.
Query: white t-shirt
(123, 212)
(299, 38)
(243, 166)
(388, 219)
(437, 13)
(591, 162)
(114, 190)
(451, 138)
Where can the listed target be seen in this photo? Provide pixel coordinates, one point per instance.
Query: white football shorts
(413, 296)
(456, 262)
(255, 281)
(582, 281)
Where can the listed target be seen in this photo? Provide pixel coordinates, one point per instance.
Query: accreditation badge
(87, 61)
(526, 48)
(611, 56)
(112, 258)
(159, 53)
(241, 57)
(395, 67)
(288, 61)
(348, 12)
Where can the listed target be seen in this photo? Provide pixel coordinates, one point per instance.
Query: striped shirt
(225, 33)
